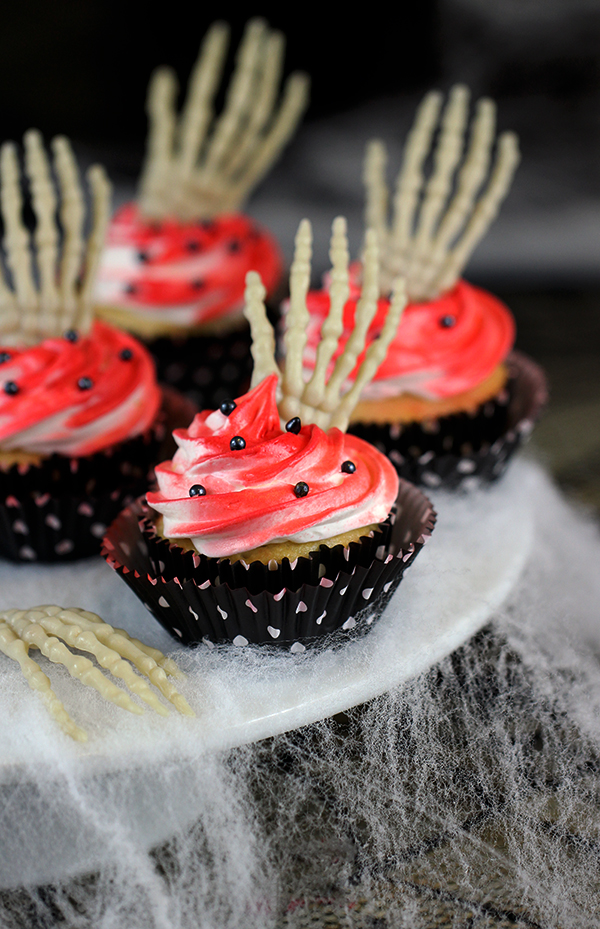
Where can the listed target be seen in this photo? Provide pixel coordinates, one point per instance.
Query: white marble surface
(471, 563)
(474, 557)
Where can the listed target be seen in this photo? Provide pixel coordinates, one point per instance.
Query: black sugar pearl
(85, 383)
(237, 443)
(130, 289)
(11, 388)
(125, 354)
(227, 407)
(301, 489)
(4, 357)
(293, 425)
(234, 246)
(198, 284)
(143, 257)
(447, 322)
(197, 490)
(348, 467)
(192, 246)
(71, 335)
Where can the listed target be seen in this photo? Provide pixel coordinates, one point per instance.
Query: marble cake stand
(473, 560)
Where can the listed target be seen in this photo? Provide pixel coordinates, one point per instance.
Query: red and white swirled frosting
(250, 497)
(444, 347)
(76, 396)
(184, 274)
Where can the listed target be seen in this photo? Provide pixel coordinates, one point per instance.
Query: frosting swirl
(76, 395)
(443, 347)
(251, 494)
(183, 274)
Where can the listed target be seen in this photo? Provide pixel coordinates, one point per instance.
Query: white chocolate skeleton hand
(48, 628)
(321, 399)
(438, 219)
(198, 166)
(52, 284)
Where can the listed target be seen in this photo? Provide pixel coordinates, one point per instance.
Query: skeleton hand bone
(48, 628)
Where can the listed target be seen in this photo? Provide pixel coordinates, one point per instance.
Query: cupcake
(271, 524)
(81, 414)
(451, 401)
(173, 272)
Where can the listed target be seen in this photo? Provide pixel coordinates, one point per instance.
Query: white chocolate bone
(72, 215)
(365, 311)
(103, 629)
(197, 110)
(322, 400)
(297, 319)
(437, 220)
(198, 165)
(333, 324)
(375, 354)
(30, 312)
(149, 661)
(160, 109)
(48, 628)
(12, 646)
(100, 191)
(46, 231)
(263, 337)
(16, 239)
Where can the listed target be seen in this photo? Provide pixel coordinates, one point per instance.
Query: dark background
(81, 67)
(84, 66)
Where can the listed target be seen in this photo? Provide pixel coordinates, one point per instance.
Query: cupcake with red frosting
(80, 408)
(271, 524)
(451, 401)
(258, 507)
(174, 268)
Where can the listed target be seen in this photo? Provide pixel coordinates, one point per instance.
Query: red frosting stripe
(77, 396)
(443, 347)
(200, 266)
(250, 494)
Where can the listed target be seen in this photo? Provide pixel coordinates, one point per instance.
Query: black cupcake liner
(59, 510)
(199, 599)
(209, 368)
(206, 368)
(464, 450)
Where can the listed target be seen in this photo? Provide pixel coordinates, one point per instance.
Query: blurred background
(82, 69)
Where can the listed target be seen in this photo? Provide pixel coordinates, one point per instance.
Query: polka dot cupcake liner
(466, 450)
(59, 510)
(207, 369)
(47, 528)
(199, 599)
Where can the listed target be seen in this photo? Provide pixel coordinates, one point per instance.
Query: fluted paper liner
(198, 599)
(206, 368)
(59, 510)
(464, 450)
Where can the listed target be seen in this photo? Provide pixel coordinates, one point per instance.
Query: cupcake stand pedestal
(473, 560)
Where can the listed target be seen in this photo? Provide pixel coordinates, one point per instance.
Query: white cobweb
(469, 795)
